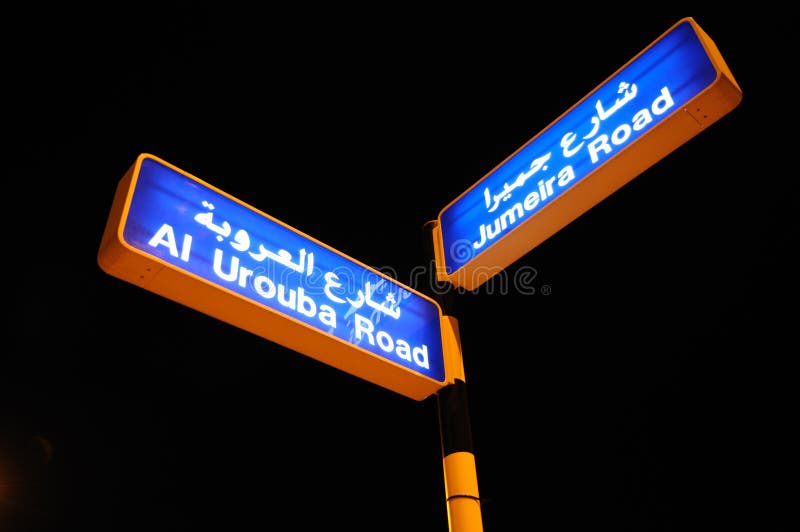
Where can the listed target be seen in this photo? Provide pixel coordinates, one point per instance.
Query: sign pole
(458, 458)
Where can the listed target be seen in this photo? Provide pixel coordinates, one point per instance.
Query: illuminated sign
(173, 234)
(660, 99)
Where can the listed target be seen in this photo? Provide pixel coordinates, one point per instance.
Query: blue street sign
(661, 98)
(177, 236)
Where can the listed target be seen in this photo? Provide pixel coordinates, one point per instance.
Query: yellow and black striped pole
(458, 457)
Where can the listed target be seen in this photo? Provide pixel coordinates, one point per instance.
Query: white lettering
(602, 145)
(296, 300)
(663, 102)
(364, 326)
(641, 119)
(232, 274)
(283, 300)
(531, 201)
(244, 275)
(165, 236)
(264, 286)
(403, 350)
(365, 329)
(623, 132)
(597, 145)
(565, 176)
(327, 316)
(385, 341)
(508, 218)
(187, 246)
(421, 356)
(305, 305)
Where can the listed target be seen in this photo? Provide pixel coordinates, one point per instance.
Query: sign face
(660, 99)
(179, 237)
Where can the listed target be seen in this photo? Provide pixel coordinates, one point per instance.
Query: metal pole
(458, 458)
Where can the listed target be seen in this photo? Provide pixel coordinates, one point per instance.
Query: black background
(645, 385)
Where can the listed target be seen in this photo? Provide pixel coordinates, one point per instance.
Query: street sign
(668, 93)
(177, 236)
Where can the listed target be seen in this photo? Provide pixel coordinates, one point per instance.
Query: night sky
(644, 382)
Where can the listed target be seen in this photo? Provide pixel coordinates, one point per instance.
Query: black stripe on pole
(456, 431)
